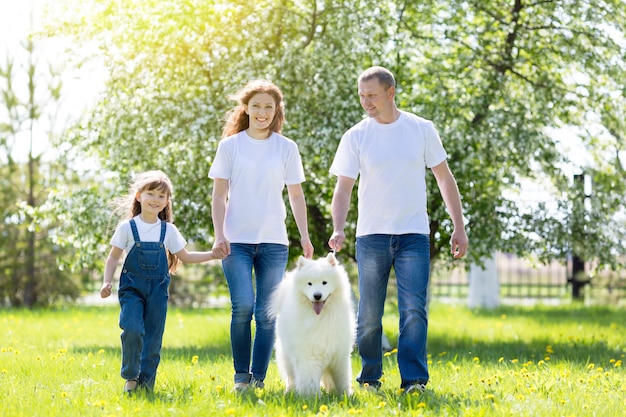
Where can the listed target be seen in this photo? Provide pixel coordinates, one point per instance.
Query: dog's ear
(301, 261)
(331, 259)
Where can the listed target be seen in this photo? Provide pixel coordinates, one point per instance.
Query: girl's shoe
(241, 387)
(130, 386)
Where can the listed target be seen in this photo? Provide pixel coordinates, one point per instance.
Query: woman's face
(261, 110)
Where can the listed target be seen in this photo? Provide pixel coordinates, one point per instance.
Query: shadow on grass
(566, 335)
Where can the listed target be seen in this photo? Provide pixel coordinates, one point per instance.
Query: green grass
(514, 361)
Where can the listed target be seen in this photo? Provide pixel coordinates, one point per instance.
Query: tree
(495, 76)
(29, 271)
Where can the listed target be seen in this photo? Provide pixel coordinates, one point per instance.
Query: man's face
(375, 100)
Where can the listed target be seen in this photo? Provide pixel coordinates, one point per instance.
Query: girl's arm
(298, 207)
(109, 269)
(196, 257)
(221, 247)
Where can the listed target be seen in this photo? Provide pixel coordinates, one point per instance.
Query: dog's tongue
(317, 306)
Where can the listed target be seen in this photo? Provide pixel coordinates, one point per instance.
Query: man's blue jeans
(269, 261)
(409, 255)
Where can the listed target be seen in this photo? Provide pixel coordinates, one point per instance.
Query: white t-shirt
(392, 160)
(148, 232)
(257, 171)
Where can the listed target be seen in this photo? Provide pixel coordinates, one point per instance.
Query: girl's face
(261, 110)
(152, 201)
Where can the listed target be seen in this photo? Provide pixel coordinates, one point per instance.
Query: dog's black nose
(317, 296)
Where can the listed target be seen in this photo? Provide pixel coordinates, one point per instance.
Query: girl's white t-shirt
(148, 232)
(391, 160)
(257, 172)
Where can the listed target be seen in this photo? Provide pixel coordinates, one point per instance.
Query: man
(391, 150)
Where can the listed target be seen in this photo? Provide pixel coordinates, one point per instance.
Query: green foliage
(29, 274)
(496, 77)
(539, 361)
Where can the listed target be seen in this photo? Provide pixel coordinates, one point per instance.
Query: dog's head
(319, 279)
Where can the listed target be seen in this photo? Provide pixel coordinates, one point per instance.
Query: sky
(80, 87)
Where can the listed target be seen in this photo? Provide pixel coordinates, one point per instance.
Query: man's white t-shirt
(257, 171)
(391, 160)
(148, 232)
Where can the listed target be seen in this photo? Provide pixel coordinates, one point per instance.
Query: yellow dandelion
(353, 411)
(382, 404)
(476, 359)
(387, 354)
(501, 360)
(5, 371)
(591, 366)
(194, 359)
(514, 360)
(618, 363)
(100, 403)
(229, 411)
(489, 397)
(199, 372)
(549, 349)
(101, 352)
(64, 394)
(503, 317)
(304, 407)
(38, 358)
(443, 353)
(421, 405)
(323, 408)
(521, 397)
(394, 350)
(188, 367)
(219, 388)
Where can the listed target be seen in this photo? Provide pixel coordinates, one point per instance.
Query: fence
(524, 280)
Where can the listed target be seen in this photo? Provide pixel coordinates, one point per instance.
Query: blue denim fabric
(269, 261)
(143, 296)
(410, 257)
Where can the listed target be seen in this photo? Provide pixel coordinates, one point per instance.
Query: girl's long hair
(237, 120)
(152, 180)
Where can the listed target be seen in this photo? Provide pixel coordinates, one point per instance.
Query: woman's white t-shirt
(257, 171)
(148, 232)
(391, 160)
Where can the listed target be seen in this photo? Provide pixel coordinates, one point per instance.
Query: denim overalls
(143, 296)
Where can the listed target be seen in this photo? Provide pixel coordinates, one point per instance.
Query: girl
(154, 247)
(251, 167)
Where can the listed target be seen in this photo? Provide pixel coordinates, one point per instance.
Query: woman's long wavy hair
(146, 181)
(237, 120)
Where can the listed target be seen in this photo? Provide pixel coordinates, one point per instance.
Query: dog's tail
(275, 301)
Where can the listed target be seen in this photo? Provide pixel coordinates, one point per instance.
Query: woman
(251, 167)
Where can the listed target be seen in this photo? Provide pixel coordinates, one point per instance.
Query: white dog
(315, 327)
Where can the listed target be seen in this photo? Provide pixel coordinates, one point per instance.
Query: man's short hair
(383, 75)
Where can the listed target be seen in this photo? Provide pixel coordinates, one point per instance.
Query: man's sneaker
(130, 386)
(418, 388)
(370, 387)
(241, 387)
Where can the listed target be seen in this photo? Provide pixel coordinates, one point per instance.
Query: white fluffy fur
(314, 349)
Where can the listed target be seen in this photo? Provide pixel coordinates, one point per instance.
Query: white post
(484, 288)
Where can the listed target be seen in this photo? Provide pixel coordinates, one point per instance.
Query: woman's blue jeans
(269, 261)
(409, 255)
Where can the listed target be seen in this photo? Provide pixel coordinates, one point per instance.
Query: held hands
(105, 291)
(221, 248)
